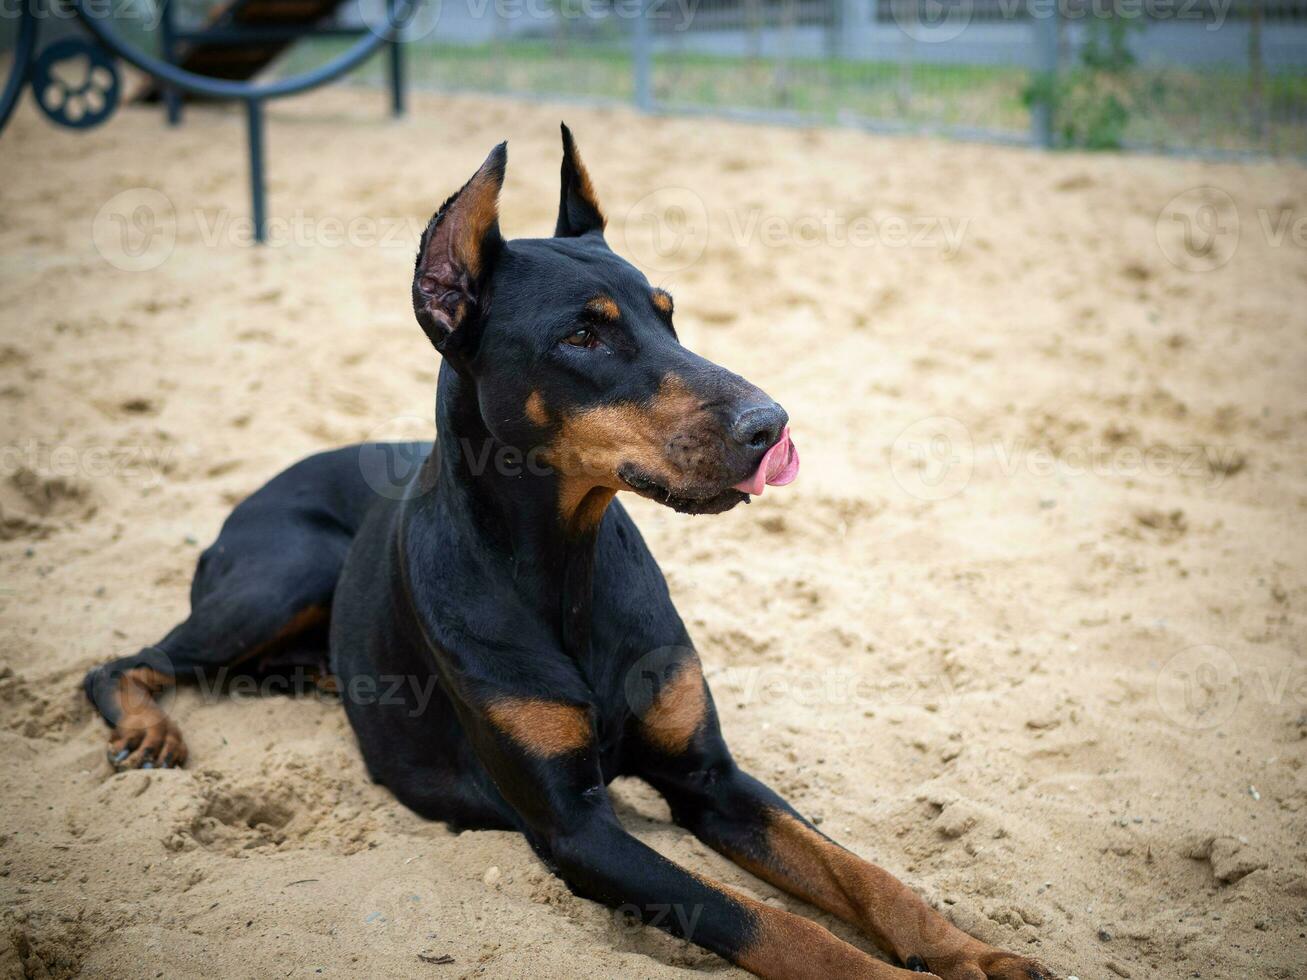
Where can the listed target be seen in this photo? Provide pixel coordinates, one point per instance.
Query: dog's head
(574, 354)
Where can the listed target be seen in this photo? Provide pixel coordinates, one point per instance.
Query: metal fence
(1196, 76)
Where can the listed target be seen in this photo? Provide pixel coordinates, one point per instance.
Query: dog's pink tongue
(779, 466)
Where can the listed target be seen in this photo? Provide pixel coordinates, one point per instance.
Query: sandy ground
(1029, 630)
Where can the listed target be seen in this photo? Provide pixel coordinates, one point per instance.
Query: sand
(1028, 630)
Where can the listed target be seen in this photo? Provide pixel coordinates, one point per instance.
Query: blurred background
(1030, 629)
(1191, 76)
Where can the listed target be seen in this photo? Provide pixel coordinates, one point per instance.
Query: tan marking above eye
(678, 710)
(663, 300)
(605, 307)
(543, 728)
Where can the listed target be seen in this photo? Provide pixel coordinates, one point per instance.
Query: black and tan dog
(505, 580)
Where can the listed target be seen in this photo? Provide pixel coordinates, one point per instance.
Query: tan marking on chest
(543, 728)
(677, 711)
(535, 409)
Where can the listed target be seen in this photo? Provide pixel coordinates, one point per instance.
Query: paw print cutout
(76, 83)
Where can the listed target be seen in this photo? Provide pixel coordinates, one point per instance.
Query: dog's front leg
(739, 817)
(601, 861)
(542, 759)
(685, 758)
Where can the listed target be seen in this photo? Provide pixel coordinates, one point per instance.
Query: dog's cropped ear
(458, 249)
(578, 208)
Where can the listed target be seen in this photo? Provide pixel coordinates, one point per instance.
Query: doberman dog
(501, 576)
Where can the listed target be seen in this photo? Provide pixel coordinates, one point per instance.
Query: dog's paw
(1009, 966)
(158, 745)
(999, 965)
(988, 964)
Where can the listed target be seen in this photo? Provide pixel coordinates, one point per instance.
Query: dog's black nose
(759, 426)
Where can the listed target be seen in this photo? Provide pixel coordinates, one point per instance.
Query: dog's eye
(582, 338)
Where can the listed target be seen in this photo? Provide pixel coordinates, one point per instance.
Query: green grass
(1169, 109)
(824, 90)
(1215, 110)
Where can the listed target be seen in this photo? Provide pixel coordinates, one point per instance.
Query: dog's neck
(519, 510)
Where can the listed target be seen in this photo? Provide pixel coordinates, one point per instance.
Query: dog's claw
(1008, 966)
(157, 747)
(989, 964)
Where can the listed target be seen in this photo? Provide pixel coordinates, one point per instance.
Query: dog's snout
(759, 426)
